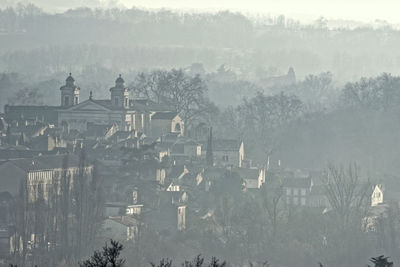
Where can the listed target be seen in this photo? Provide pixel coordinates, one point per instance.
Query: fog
(199, 133)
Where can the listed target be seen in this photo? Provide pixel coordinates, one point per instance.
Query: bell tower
(120, 94)
(69, 92)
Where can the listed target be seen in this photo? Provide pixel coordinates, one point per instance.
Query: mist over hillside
(236, 55)
(258, 138)
(132, 39)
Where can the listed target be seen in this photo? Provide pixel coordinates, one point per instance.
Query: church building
(119, 110)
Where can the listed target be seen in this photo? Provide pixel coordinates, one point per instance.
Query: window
(76, 100)
(126, 102)
(295, 191)
(116, 101)
(177, 127)
(303, 192)
(225, 158)
(303, 201)
(66, 100)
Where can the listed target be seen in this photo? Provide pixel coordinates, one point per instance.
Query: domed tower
(69, 92)
(120, 94)
(291, 75)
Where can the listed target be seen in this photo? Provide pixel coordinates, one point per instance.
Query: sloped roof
(124, 220)
(122, 134)
(178, 149)
(247, 173)
(29, 130)
(297, 182)
(103, 102)
(226, 145)
(214, 172)
(176, 171)
(164, 115)
(45, 162)
(98, 130)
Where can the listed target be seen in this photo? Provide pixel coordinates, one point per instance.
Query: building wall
(114, 230)
(43, 113)
(164, 126)
(11, 178)
(227, 158)
(161, 175)
(192, 150)
(178, 126)
(296, 196)
(241, 155)
(78, 120)
(160, 127)
(377, 196)
(42, 182)
(318, 201)
(181, 219)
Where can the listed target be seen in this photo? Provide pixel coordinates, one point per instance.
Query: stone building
(39, 174)
(227, 152)
(141, 115)
(297, 190)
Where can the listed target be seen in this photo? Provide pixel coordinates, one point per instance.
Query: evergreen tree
(21, 140)
(209, 153)
(8, 135)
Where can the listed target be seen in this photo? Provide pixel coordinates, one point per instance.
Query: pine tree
(8, 135)
(21, 140)
(209, 153)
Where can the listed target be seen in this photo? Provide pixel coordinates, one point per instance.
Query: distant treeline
(34, 41)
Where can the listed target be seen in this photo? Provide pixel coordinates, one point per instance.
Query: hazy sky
(364, 10)
(304, 10)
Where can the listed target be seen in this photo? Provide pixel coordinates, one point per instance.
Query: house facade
(39, 174)
(297, 191)
(227, 152)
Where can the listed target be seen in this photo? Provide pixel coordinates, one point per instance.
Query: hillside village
(145, 173)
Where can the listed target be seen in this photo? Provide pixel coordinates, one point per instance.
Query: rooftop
(164, 115)
(46, 162)
(226, 145)
(297, 182)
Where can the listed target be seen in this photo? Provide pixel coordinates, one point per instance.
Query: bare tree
(346, 194)
(271, 196)
(108, 257)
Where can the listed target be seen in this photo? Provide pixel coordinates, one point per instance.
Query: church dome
(70, 80)
(119, 81)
